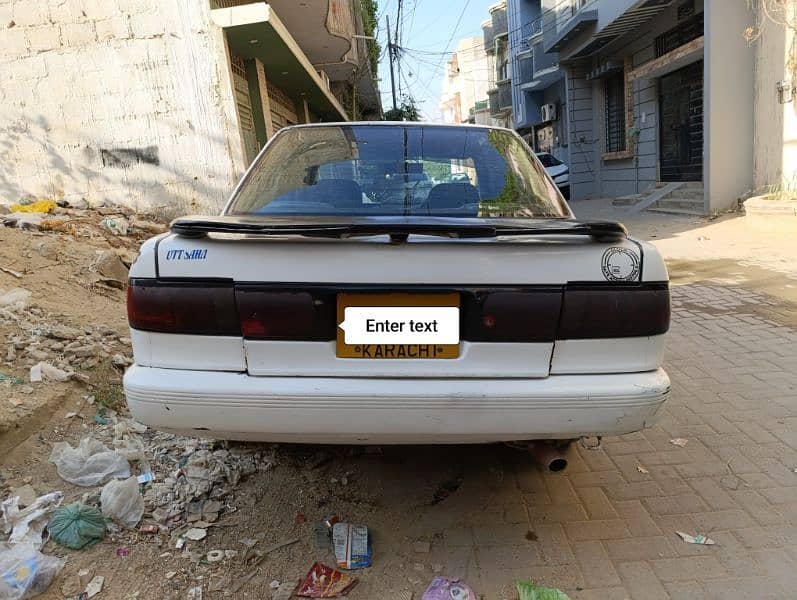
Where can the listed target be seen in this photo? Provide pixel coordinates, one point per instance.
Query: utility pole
(390, 51)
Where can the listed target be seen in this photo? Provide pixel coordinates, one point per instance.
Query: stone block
(78, 34)
(29, 14)
(114, 28)
(44, 38)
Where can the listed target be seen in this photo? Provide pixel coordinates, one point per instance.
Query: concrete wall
(129, 102)
(775, 124)
(584, 161)
(728, 104)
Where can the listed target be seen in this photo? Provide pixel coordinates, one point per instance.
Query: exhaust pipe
(548, 457)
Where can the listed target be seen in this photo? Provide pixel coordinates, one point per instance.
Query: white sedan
(324, 306)
(559, 172)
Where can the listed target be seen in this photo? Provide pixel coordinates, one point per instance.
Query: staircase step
(677, 211)
(679, 202)
(690, 193)
(628, 200)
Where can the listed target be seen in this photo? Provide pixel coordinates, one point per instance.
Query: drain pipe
(547, 456)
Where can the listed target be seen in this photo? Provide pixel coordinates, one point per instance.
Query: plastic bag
(122, 501)
(40, 206)
(76, 526)
(528, 590)
(25, 572)
(27, 524)
(91, 463)
(445, 588)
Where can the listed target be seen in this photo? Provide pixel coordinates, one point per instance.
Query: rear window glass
(548, 160)
(397, 170)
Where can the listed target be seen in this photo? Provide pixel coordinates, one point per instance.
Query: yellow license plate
(394, 351)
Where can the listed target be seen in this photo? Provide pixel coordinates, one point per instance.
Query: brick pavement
(605, 530)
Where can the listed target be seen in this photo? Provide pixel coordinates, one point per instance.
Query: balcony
(525, 67)
(686, 31)
(492, 100)
(489, 37)
(505, 94)
(559, 35)
(535, 29)
(498, 15)
(500, 98)
(544, 61)
(254, 31)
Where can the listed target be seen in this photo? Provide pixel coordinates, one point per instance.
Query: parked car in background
(312, 310)
(559, 172)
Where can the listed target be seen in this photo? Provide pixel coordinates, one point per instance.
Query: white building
(465, 83)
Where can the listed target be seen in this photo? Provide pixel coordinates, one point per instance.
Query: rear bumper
(393, 411)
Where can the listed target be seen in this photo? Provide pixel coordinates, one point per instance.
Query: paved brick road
(606, 530)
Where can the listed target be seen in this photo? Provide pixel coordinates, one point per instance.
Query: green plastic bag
(76, 526)
(529, 591)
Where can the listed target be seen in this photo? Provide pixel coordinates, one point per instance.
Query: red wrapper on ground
(325, 582)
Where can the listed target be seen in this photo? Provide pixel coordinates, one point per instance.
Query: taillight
(517, 315)
(592, 311)
(196, 307)
(267, 313)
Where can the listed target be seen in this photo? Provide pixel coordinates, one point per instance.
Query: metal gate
(681, 124)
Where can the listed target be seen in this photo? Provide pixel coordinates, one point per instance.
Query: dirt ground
(404, 495)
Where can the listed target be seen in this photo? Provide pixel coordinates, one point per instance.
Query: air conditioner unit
(548, 112)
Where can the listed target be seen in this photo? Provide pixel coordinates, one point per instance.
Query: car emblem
(620, 264)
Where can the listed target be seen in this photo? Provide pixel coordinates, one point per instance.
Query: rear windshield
(398, 170)
(548, 160)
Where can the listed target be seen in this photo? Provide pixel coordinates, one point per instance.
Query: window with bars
(615, 113)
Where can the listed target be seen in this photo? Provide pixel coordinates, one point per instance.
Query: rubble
(196, 534)
(94, 586)
(189, 476)
(111, 267)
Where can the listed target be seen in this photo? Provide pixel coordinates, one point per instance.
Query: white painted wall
(775, 146)
(83, 80)
(727, 103)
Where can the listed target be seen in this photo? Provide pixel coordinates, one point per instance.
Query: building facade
(539, 98)
(465, 83)
(496, 45)
(652, 101)
(652, 87)
(148, 103)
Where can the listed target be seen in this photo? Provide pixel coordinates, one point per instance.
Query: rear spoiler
(397, 227)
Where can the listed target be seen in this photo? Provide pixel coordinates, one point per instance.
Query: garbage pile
(141, 481)
(51, 350)
(78, 219)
